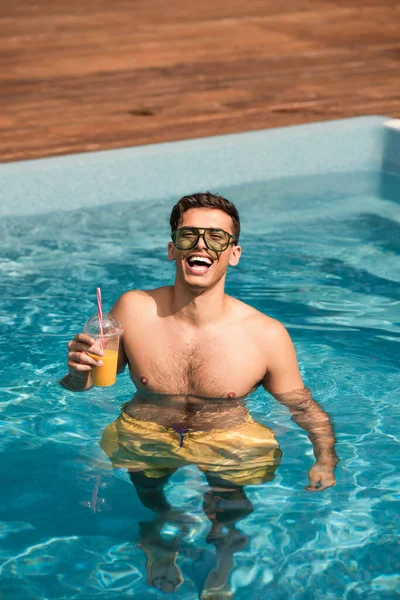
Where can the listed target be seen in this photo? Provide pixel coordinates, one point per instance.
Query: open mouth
(199, 264)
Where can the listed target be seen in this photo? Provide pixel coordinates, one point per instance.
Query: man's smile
(199, 264)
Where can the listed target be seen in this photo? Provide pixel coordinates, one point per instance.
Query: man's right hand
(80, 364)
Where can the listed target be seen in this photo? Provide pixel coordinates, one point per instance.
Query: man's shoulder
(265, 325)
(143, 300)
(243, 310)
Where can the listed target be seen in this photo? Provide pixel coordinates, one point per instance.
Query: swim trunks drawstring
(182, 434)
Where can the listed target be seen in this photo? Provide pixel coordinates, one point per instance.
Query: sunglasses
(217, 240)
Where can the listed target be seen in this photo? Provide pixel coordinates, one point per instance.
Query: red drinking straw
(100, 316)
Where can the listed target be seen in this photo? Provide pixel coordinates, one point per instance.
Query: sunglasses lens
(217, 240)
(185, 238)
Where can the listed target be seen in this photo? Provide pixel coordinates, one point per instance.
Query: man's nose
(200, 242)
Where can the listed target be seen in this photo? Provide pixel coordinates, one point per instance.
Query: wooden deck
(95, 74)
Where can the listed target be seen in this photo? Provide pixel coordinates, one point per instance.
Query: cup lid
(111, 326)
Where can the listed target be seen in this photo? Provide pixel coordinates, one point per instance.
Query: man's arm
(284, 382)
(308, 415)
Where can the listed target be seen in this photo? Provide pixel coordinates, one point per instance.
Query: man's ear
(235, 255)
(171, 251)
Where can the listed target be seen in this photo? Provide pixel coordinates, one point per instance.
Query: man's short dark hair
(205, 200)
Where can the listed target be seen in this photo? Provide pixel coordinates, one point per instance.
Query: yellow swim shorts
(247, 454)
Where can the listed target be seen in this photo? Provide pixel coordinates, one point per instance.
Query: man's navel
(144, 380)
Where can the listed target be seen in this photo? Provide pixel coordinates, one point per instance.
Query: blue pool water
(321, 254)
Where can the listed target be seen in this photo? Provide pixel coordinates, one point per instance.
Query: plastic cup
(106, 374)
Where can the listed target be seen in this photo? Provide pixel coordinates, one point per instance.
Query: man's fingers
(77, 359)
(85, 338)
(319, 486)
(75, 346)
(79, 368)
(312, 488)
(314, 485)
(96, 349)
(327, 484)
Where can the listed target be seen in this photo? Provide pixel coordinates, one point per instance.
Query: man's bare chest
(214, 366)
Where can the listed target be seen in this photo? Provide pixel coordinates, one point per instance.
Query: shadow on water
(383, 232)
(359, 280)
(389, 185)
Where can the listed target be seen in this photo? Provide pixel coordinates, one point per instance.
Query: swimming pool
(321, 223)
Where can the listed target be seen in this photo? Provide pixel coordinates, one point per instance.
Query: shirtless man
(194, 352)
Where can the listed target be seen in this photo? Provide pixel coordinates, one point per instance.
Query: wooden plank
(101, 75)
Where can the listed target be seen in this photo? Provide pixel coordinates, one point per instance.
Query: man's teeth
(200, 259)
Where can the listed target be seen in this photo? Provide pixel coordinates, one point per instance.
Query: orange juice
(107, 373)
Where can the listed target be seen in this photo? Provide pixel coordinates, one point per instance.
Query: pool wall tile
(145, 173)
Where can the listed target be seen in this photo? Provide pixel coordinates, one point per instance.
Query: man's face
(211, 266)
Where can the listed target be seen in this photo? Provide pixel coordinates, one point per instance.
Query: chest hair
(189, 368)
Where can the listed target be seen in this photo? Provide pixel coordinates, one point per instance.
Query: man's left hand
(321, 476)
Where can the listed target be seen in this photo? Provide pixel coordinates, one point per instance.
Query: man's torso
(191, 365)
(166, 356)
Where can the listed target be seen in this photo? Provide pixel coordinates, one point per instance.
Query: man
(194, 353)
